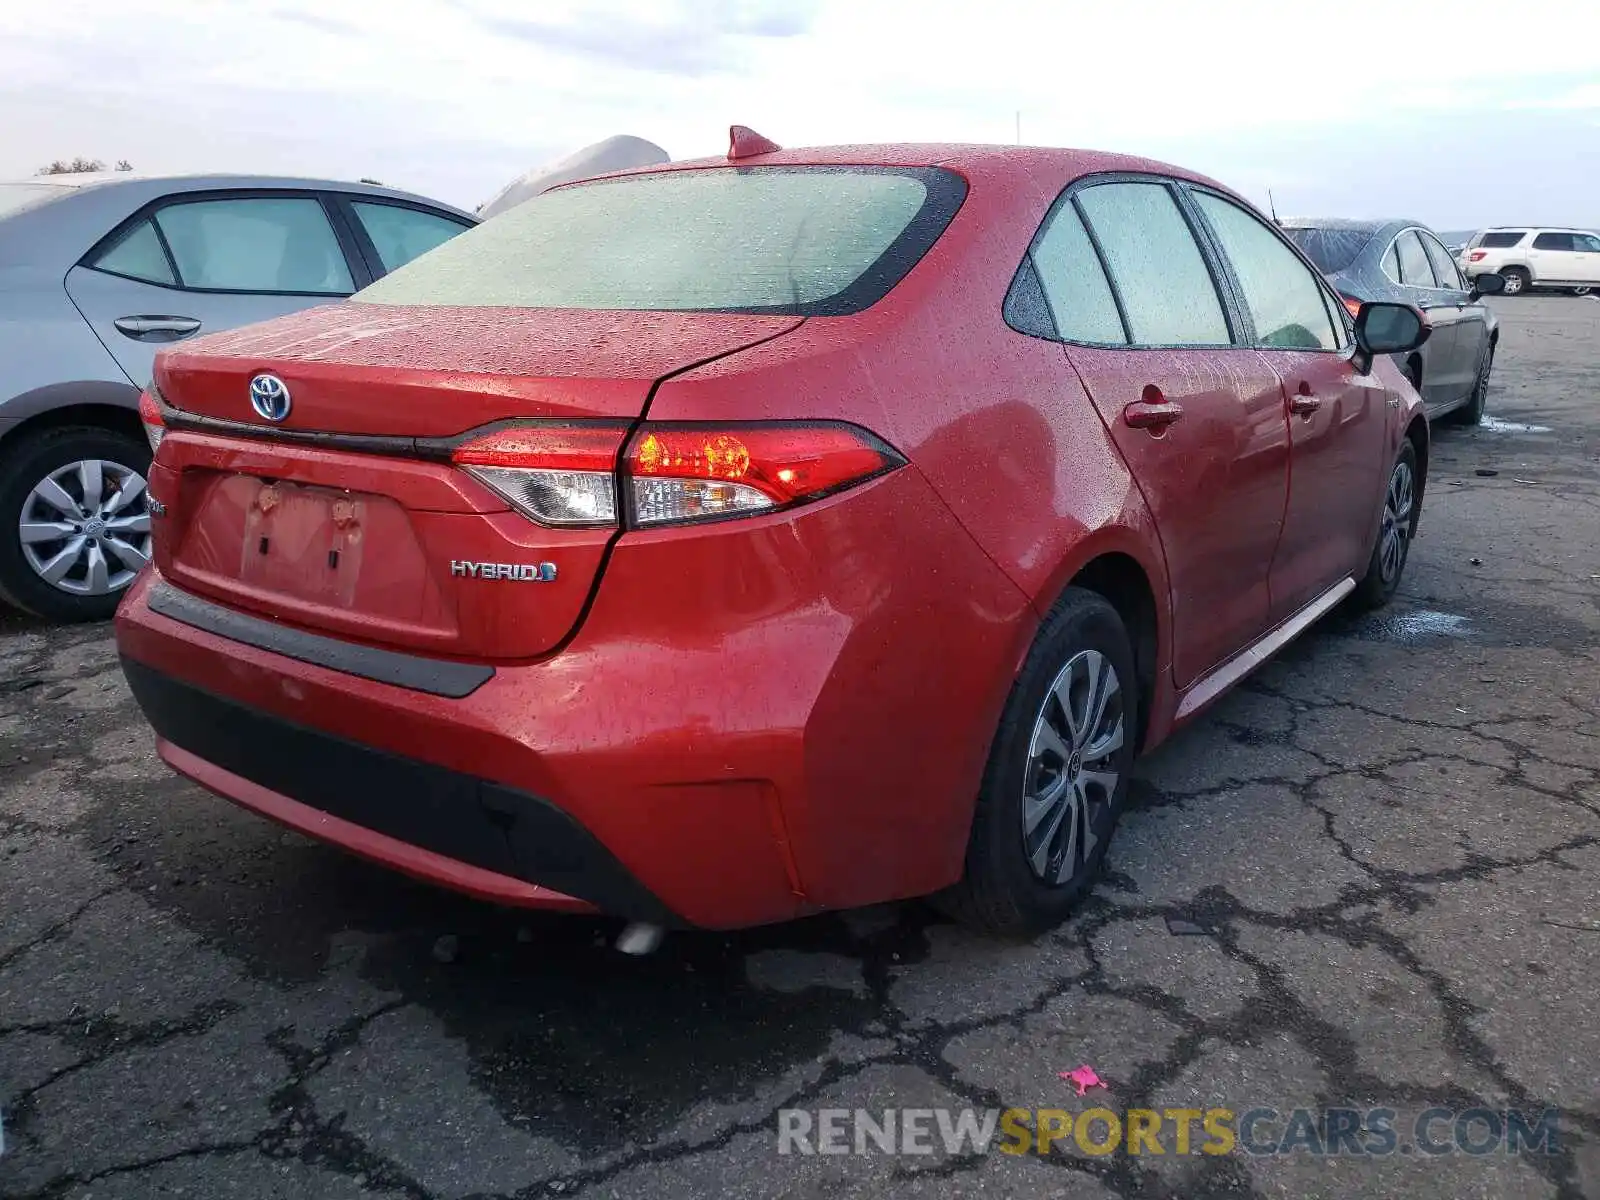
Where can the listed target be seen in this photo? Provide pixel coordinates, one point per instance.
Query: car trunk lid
(348, 518)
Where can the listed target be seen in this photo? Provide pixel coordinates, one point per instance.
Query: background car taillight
(1477, 255)
(690, 472)
(1352, 305)
(554, 474)
(568, 475)
(150, 416)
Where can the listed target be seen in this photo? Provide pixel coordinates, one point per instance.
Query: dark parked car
(1406, 262)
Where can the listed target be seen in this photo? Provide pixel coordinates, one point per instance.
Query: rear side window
(400, 234)
(1501, 239)
(1444, 267)
(256, 244)
(1391, 262)
(1331, 249)
(1553, 241)
(1286, 300)
(1414, 268)
(1074, 282)
(138, 255)
(1166, 288)
(807, 241)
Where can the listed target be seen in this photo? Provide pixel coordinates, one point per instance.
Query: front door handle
(156, 329)
(1152, 415)
(1304, 404)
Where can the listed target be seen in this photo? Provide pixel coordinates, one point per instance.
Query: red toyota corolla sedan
(734, 540)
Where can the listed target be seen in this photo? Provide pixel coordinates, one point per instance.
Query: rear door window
(256, 244)
(400, 234)
(1286, 300)
(1553, 241)
(1414, 268)
(1074, 282)
(1166, 288)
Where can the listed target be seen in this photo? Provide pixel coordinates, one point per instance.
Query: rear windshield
(17, 196)
(807, 241)
(1331, 249)
(1501, 241)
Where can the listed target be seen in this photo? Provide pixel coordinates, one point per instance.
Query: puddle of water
(1496, 425)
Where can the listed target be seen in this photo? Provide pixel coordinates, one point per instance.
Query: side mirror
(1488, 284)
(1385, 328)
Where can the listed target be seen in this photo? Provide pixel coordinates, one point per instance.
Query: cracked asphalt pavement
(1380, 857)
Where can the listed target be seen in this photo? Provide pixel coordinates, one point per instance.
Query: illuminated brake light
(150, 416)
(695, 472)
(553, 474)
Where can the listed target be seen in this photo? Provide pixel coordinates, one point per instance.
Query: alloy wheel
(85, 527)
(1396, 530)
(1071, 774)
(1513, 284)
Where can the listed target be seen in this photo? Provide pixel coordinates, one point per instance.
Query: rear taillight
(1477, 255)
(568, 475)
(1352, 305)
(696, 472)
(554, 474)
(150, 415)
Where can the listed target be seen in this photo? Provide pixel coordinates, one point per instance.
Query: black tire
(1000, 891)
(1471, 413)
(31, 459)
(1382, 579)
(1518, 281)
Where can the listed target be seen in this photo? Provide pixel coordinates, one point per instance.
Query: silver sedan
(97, 273)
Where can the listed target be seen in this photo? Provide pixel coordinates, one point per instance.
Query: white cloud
(452, 97)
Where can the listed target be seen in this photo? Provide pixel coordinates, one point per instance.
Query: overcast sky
(1458, 114)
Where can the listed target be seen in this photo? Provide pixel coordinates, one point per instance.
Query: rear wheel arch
(116, 417)
(1124, 583)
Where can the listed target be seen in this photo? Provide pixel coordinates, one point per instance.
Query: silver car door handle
(157, 329)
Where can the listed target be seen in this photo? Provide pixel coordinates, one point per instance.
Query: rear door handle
(156, 329)
(1151, 415)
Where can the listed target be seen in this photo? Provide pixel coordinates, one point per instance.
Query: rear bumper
(755, 720)
(440, 825)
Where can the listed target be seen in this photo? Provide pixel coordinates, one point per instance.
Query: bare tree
(124, 165)
(62, 166)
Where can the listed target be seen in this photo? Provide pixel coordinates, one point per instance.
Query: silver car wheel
(1397, 504)
(1513, 284)
(1071, 775)
(85, 527)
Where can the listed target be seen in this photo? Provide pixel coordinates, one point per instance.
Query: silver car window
(256, 244)
(138, 255)
(401, 234)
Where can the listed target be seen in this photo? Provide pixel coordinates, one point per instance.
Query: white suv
(1565, 259)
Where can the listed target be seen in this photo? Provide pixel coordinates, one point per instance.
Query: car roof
(1535, 229)
(153, 186)
(1039, 162)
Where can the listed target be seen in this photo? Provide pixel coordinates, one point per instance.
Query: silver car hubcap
(85, 527)
(1071, 775)
(1396, 522)
(1513, 284)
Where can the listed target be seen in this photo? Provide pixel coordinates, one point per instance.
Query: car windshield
(1331, 249)
(17, 196)
(808, 241)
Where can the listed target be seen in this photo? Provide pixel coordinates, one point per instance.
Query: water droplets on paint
(1496, 425)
